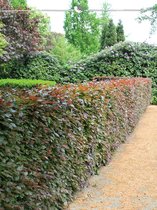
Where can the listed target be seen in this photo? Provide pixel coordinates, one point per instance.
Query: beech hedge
(52, 139)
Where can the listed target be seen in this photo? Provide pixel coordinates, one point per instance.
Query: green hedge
(41, 66)
(123, 59)
(53, 139)
(24, 83)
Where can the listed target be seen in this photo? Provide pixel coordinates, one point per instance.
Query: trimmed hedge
(124, 59)
(53, 139)
(39, 66)
(24, 83)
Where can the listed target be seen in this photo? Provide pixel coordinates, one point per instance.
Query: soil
(129, 182)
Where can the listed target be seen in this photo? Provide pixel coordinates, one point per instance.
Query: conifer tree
(120, 32)
(109, 35)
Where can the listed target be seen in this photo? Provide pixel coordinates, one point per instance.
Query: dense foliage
(53, 139)
(18, 4)
(120, 32)
(3, 44)
(43, 28)
(24, 83)
(20, 31)
(82, 27)
(41, 66)
(111, 34)
(123, 59)
(65, 52)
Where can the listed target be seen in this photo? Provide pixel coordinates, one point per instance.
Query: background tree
(43, 27)
(65, 52)
(107, 27)
(120, 32)
(21, 32)
(82, 27)
(103, 39)
(105, 15)
(43, 24)
(150, 14)
(18, 4)
(109, 35)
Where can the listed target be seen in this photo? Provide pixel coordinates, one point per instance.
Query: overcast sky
(133, 30)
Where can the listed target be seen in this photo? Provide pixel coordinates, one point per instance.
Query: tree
(43, 27)
(65, 52)
(120, 32)
(82, 27)
(103, 39)
(105, 15)
(109, 35)
(21, 32)
(150, 14)
(18, 4)
(108, 30)
(44, 21)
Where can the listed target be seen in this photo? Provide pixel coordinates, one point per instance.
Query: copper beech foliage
(53, 138)
(21, 32)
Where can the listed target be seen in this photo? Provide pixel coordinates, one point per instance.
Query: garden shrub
(52, 139)
(41, 66)
(24, 83)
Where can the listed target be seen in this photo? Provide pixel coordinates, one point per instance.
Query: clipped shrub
(53, 139)
(41, 66)
(24, 83)
(125, 59)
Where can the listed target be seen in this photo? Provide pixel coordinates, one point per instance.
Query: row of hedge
(52, 139)
(125, 59)
(27, 83)
(39, 66)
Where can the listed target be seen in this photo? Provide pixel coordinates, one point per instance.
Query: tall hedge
(40, 65)
(122, 59)
(53, 139)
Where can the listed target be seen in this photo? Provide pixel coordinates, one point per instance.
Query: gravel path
(129, 182)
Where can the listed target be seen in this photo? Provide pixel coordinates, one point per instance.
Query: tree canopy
(82, 27)
(150, 14)
(20, 31)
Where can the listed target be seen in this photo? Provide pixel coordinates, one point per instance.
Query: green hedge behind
(39, 66)
(125, 59)
(53, 139)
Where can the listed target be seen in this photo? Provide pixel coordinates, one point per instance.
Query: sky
(134, 31)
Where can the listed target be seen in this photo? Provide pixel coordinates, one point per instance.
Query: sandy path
(129, 182)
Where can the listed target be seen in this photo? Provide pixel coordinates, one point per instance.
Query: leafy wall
(52, 139)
